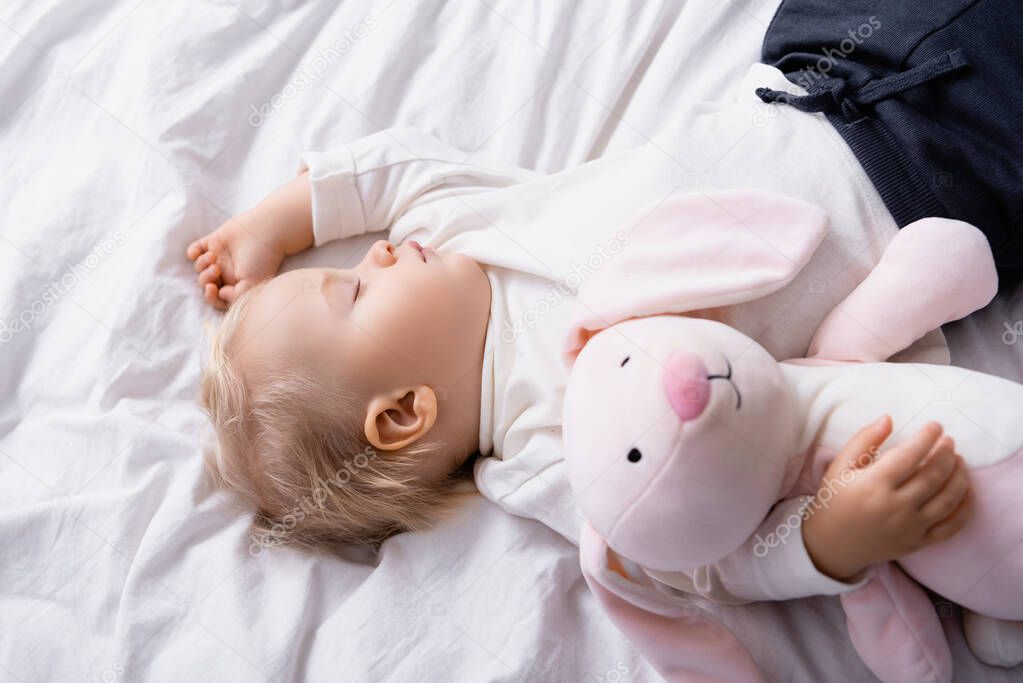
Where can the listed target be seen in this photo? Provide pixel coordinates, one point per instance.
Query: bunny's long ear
(682, 642)
(695, 251)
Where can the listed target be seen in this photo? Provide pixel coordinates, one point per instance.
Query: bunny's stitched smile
(728, 376)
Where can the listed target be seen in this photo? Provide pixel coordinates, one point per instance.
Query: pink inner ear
(733, 246)
(686, 384)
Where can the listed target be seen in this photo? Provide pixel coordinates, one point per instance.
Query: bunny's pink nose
(686, 384)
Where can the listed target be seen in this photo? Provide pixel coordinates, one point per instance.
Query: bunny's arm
(934, 271)
(683, 643)
(773, 564)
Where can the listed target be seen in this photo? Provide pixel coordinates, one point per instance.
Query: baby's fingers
(206, 259)
(231, 292)
(210, 294)
(901, 462)
(209, 275)
(196, 248)
(860, 450)
(952, 524)
(932, 476)
(947, 500)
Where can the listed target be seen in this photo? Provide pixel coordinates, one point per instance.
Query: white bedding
(129, 128)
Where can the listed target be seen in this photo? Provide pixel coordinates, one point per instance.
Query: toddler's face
(399, 318)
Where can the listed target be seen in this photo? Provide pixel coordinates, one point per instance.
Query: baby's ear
(400, 418)
(696, 251)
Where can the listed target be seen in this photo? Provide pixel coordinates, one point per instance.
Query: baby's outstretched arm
(250, 247)
(915, 495)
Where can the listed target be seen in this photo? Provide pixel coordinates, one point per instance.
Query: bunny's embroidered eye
(634, 455)
(622, 364)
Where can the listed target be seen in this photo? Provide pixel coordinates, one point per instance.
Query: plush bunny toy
(681, 433)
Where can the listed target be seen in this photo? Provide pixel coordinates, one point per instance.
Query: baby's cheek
(436, 465)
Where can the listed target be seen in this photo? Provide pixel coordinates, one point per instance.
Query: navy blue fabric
(929, 96)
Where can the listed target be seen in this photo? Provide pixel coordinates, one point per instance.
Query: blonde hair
(294, 448)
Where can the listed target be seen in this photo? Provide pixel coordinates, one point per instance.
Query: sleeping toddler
(368, 396)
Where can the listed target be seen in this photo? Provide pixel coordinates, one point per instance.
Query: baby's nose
(686, 384)
(382, 253)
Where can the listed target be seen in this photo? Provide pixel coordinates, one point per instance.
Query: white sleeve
(366, 185)
(772, 565)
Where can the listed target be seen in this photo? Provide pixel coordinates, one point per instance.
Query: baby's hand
(871, 510)
(235, 256)
(250, 247)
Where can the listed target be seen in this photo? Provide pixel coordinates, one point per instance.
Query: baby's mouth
(424, 252)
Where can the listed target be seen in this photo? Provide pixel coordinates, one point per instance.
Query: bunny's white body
(832, 399)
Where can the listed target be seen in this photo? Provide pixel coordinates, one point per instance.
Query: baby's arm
(360, 187)
(371, 183)
(250, 247)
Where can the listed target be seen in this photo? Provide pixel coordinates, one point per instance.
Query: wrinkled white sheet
(130, 127)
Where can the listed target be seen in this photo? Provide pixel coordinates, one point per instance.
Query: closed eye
(340, 292)
(626, 360)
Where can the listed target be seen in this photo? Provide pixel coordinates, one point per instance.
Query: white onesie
(538, 237)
